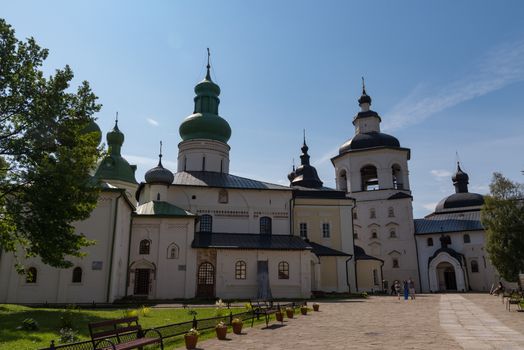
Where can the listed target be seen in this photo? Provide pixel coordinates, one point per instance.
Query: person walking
(411, 286)
(397, 288)
(406, 289)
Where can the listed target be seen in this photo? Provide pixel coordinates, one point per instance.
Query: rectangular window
(303, 230)
(326, 232)
(372, 213)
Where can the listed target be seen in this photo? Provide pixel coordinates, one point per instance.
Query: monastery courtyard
(432, 321)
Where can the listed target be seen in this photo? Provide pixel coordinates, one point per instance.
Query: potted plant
(191, 338)
(289, 312)
(316, 306)
(237, 325)
(221, 330)
(279, 315)
(303, 310)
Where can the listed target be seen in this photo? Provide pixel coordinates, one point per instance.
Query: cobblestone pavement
(429, 322)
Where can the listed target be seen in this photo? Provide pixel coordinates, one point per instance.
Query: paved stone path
(430, 322)
(474, 328)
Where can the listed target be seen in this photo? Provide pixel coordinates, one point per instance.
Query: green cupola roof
(114, 166)
(93, 127)
(205, 123)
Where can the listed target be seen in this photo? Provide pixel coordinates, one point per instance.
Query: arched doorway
(447, 279)
(142, 273)
(206, 280)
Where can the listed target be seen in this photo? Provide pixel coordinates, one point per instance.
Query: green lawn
(11, 316)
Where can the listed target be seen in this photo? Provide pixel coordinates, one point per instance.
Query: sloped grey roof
(322, 192)
(221, 180)
(322, 250)
(249, 241)
(449, 222)
(161, 208)
(360, 254)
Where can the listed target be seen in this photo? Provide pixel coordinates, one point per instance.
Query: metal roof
(449, 222)
(249, 241)
(322, 193)
(161, 208)
(215, 179)
(321, 250)
(360, 254)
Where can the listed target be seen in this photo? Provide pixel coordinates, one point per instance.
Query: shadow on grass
(49, 324)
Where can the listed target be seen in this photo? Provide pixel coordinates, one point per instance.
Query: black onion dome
(159, 174)
(460, 200)
(305, 175)
(369, 140)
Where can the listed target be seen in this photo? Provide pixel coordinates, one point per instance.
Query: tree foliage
(45, 154)
(503, 217)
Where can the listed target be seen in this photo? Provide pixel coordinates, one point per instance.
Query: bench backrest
(110, 328)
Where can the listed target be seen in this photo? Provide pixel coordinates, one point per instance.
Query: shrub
(68, 335)
(129, 313)
(28, 324)
(192, 312)
(144, 310)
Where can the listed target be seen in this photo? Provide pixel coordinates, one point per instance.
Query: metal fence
(170, 330)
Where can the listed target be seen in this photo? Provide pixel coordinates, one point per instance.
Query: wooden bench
(108, 335)
(262, 307)
(514, 299)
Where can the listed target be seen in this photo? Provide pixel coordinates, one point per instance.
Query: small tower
(372, 167)
(158, 179)
(204, 133)
(115, 169)
(305, 175)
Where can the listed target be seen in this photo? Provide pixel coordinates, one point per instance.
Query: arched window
(265, 225)
(206, 274)
(343, 181)
(283, 270)
(206, 223)
(391, 212)
(375, 277)
(374, 234)
(392, 233)
(369, 178)
(173, 251)
(474, 266)
(77, 275)
(372, 213)
(145, 247)
(467, 239)
(397, 177)
(395, 263)
(430, 242)
(240, 270)
(158, 196)
(31, 275)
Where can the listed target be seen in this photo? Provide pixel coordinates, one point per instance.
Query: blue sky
(446, 77)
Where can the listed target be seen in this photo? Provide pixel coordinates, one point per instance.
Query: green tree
(503, 218)
(46, 155)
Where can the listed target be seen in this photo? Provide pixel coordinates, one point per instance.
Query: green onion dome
(93, 127)
(205, 123)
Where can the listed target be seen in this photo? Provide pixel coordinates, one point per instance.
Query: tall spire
(160, 155)
(304, 157)
(208, 74)
(365, 100)
(304, 175)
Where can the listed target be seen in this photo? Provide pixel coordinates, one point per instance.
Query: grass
(11, 316)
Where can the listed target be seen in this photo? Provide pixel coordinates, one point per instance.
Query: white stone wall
(478, 281)
(297, 286)
(55, 285)
(173, 278)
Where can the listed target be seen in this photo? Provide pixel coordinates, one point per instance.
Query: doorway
(206, 281)
(142, 281)
(447, 278)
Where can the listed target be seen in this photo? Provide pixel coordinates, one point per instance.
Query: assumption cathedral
(202, 232)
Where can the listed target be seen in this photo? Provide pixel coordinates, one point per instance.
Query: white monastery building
(205, 233)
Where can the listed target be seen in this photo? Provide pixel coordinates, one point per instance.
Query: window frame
(205, 223)
(326, 230)
(302, 229)
(466, 238)
(240, 270)
(428, 241)
(266, 225)
(474, 263)
(144, 247)
(283, 270)
(77, 276)
(395, 263)
(31, 276)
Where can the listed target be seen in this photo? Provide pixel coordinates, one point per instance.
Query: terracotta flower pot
(279, 316)
(303, 310)
(221, 332)
(315, 307)
(289, 313)
(237, 328)
(191, 341)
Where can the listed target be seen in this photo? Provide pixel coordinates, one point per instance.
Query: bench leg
(267, 320)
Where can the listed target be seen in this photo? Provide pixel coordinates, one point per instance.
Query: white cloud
(152, 121)
(498, 68)
(439, 173)
(429, 206)
(148, 163)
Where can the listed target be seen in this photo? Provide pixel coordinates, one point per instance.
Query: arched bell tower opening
(342, 181)
(369, 178)
(398, 178)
